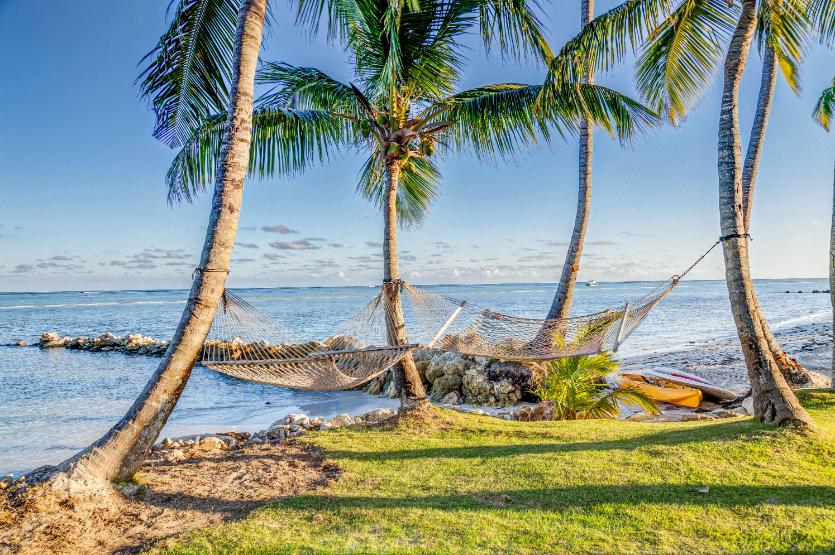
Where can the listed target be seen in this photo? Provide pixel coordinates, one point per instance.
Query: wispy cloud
(336, 245)
(303, 245)
(278, 228)
(374, 244)
(247, 245)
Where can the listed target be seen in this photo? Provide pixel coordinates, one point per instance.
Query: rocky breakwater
(453, 379)
(172, 450)
(135, 344)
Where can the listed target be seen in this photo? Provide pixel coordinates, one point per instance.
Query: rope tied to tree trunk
(202, 270)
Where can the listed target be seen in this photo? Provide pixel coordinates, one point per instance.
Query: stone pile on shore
(293, 425)
(453, 379)
(134, 344)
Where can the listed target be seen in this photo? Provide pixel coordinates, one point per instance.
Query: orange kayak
(659, 389)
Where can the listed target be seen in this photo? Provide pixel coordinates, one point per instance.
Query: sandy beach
(721, 361)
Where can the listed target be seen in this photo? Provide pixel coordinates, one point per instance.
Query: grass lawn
(477, 484)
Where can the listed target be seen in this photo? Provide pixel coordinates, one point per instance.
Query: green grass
(477, 484)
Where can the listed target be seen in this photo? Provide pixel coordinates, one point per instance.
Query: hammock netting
(461, 327)
(248, 344)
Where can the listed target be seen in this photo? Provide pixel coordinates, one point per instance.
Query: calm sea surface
(54, 402)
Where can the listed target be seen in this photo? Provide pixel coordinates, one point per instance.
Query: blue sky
(84, 204)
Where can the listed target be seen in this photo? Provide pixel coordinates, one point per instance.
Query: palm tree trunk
(757, 138)
(792, 370)
(406, 377)
(832, 279)
(120, 452)
(774, 401)
(561, 305)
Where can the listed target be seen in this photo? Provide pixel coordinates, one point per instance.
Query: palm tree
(774, 401)
(561, 305)
(577, 389)
(118, 454)
(407, 59)
(823, 115)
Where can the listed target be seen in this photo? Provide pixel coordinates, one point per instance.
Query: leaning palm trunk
(561, 305)
(792, 370)
(120, 452)
(405, 375)
(832, 279)
(774, 401)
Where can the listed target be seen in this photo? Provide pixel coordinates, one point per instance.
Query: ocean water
(55, 402)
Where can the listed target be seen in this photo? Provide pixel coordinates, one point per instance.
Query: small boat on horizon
(591, 283)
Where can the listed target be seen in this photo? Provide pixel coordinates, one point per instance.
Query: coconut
(394, 148)
(365, 127)
(382, 119)
(427, 147)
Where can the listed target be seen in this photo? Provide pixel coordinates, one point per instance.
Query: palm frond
(607, 405)
(284, 141)
(605, 41)
(304, 88)
(418, 188)
(616, 113)
(514, 26)
(186, 76)
(825, 107)
(677, 65)
(493, 119)
(822, 15)
(785, 28)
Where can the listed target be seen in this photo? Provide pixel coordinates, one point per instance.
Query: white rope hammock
(246, 343)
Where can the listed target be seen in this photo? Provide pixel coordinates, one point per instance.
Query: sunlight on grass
(476, 484)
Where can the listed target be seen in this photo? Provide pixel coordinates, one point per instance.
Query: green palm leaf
(606, 40)
(784, 26)
(677, 65)
(419, 185)
(284, 141)
(305, 88)
(822, 14)
(825, 107)
(187, 75)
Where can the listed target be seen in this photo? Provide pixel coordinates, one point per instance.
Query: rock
(640, 417)
(375, 386)
(542, 411)
(390, 388)
(444, 385)
(693, 416)
(317, 422)
(128, 489)
(341, 420)
(21, 343)
(748, 405)
(297, 419)
(702, 489)
(175, 455)
(724, 413)
(451, 398)
(468, 410)
(476, 388)
(445, 364)
(344, 343)
(216, 443)
(376, 416)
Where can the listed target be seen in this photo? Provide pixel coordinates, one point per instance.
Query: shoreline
(719, 360)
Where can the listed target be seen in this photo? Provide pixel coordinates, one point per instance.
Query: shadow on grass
(714, 433)
(571, 498)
